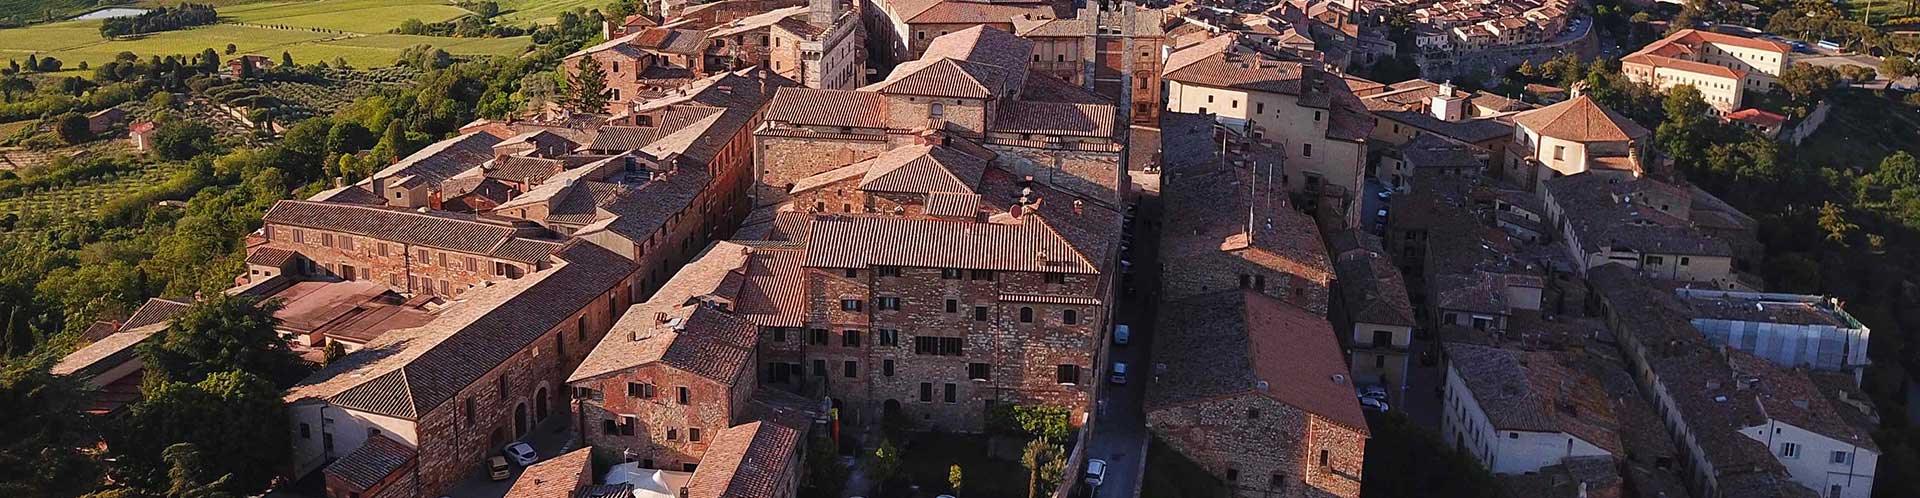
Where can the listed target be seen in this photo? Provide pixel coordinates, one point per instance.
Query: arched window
(1026, 314)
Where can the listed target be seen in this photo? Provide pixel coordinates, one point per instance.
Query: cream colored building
(1721, 66)
(1571, 137)
(1293, 113)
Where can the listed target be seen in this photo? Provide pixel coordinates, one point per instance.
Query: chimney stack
(1445, 106)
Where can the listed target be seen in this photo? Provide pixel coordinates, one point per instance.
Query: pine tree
(587, 87)
(286, 59)
(33, 63)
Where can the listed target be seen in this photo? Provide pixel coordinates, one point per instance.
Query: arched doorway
(519, 420)
(890, 411)
(540, 405)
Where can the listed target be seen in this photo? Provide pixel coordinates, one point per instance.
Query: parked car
(498, 469)
(521, 453)
(1096, 472)
(1373, 405)
(1385, 195)
(1382, 214)
(1121, 333)
(1375, 392)
(1119, 373)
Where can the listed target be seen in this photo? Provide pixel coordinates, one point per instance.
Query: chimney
(1079, 206)
(660, 317)
(433, 199)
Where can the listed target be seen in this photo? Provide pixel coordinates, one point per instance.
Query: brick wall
(968, 117)
(1021, 358)
(398, 265)
(711, 407)
(786, 159)
(453, 447)
(1217, 271)
(1224, 437)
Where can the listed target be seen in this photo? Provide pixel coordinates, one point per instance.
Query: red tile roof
(673, 327)
(862, 241)
(558, 477)
(376, 459)
(1580, 119)
(1240, 342)
(808, 106)
(746, 461)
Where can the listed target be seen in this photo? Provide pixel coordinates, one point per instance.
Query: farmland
(355, 30)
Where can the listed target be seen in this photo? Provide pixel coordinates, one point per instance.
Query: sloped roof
(744, 461)
(558, 477)
(450, 231)
(862, 241)
(1580, 119)
(1237, 341)
(693, 337)
(922, 169)
(1219, 62)
(977, 62)
(811, 106)
(1532, 391)
(444, 159)
(408, 373)
(376, 459)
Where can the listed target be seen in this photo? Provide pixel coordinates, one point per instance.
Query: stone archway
(540, 405)
(519, 420)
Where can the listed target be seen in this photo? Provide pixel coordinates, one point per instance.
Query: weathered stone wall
(1248, 440)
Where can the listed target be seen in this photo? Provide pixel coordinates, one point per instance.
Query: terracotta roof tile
(1234, 342)
(376, 459)
(747, 460)
(694, 337)
(1580, 119)
(558, 477)
(862, 241)
(809, 106)
(450, 231)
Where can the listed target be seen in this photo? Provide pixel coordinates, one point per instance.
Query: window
(1316, 116)
(950, 394)
(1026, 314)
(1656, 260)
(1259, 107)
(634, 390)
(887, 303)
(627, 423)
(950, 273)
(607, 426)
(850, 305)
(938, 346)
(853, 272)
(580, 327)
(817, 337)
(887, 337)
(981, 275)
(887, 271)
(850, 338)
(673, 434)
(684, 396)
(1253, 413)
(306, 431)
(926, 391)
(693, 434)
(1790, 450)
(779, 334)
(1559, 151)
(937, 110)
(979, 371)
(1324, 457)
(953, 305)
(1839, 457)
(1306, 150)
(469, 410)
(1379, 361)
(850, 369)
(1056, 278)
(1067, 374)
(1684, 260)
(1277, 481)
(326, 239)
(886, 367)
(980, 313)
(500, 386)
(1233, 474)
(1069, 317)
(819, 368)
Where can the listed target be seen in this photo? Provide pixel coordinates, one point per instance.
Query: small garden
(1022, 454)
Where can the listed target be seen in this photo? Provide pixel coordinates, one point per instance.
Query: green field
(541, 11)
(322, 30)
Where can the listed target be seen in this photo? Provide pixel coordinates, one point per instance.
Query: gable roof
(1580, 119)
(676, 328)
(977, 62)
(811, 106)
(442, 160)
(1532, 391)
(459, 232)
(845, 241)
(922, 169)
(558, 477)
(370, 464)
(746, 461)
(408, 373)
(1241, 342)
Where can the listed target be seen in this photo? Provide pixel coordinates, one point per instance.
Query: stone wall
(402, 267)
(1263, 448)
(710, 408)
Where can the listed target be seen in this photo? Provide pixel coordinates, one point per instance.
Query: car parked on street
(498, 469)
(521, 453)
(1096, 472)
(1121, 334)
(1373, 405)
(1119, 373)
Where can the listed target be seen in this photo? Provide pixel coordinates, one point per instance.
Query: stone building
(431, 253)
(1575, 136)
(908, 27)
(1294, 115)
(1722, 66)
(488, 370)
(1113, 48)
(1235, 226)
(1376, 320)
(817, 43)
(1255, 391)
(974, 88)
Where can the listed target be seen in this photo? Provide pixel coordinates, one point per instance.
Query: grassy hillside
(309, 30)
(23, 11)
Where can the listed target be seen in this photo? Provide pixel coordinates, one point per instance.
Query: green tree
(181, 140)
(1833, 219)
(1807, 83)
(1683, 136)
(72, 128)
(1896, 66)
(954, 478)
(40, 416)
(885, 464)
(10, 85)
(334, 352)
(249, 440)
(586, 87)
(223, 333)
(188, 475)
(286, 60)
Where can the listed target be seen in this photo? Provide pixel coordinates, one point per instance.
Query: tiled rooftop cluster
(813, 42)
(1472, 24)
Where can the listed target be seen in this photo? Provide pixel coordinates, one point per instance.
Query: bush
(72, 128)
(181, 140)
(1037, 421)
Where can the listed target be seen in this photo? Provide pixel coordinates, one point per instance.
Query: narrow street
(1120, 436)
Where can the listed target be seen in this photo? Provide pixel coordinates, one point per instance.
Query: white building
(1518, 411)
